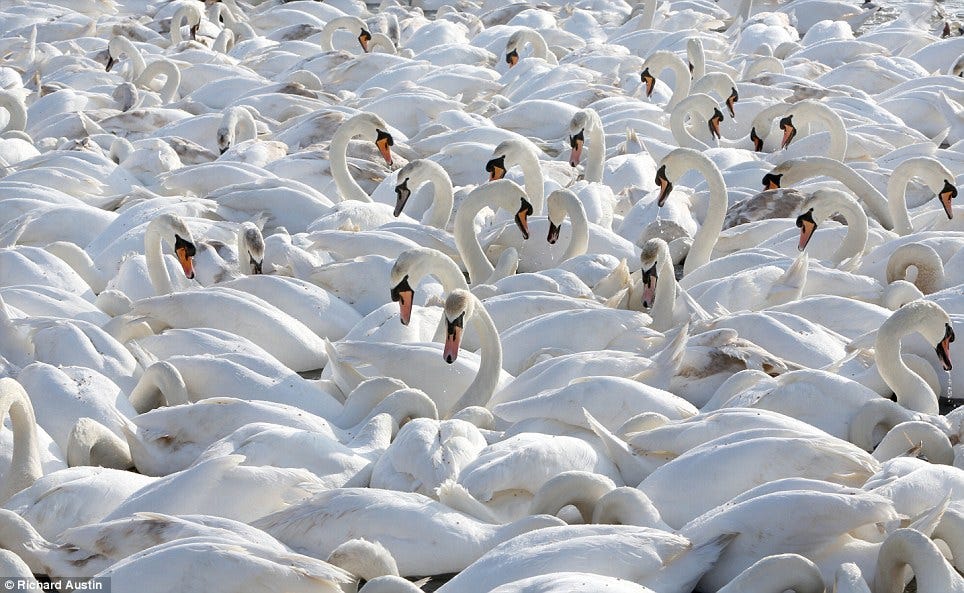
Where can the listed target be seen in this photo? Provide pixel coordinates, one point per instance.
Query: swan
(25, 464)
(353, 24)
(790, 571)
(663, 60)
(525, 153)
(909, 547)
(934, 173)
(506, 195)
(597, 499)
(817, 524)
(337, 464)
(650, 557)
(411, 267)
(461, 306)
(412, 176)
(86, 550)
(360, 124)
(795, 170)
(424, 536)
(820, 206)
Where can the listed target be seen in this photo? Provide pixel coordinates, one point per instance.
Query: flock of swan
(552, 297)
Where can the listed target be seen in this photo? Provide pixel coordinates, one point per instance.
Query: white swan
(502, 193)
(519, 39)
(790, 571)
(353, 24)
(25, 465)
(820, 206)
(461, 306)
(412, 176)
(909, 547)
(423, 535)
(361, 124)
(524, 152)
(935, 174)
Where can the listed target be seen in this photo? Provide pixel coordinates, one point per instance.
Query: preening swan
(908, 547)
(25, 465)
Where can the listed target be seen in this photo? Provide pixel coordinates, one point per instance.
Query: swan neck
(16, 110)
(540, 49)
(534, 179)
(666, 287)
(908, 547)
(156, 270)
(681, 86)
(25, 466)
(444, 202)
(930, 268)
(897, 188)
(649, 15)
(597, 149)
(480, 391)
(572, 488)
(873, 199)
(466, 241)
(133, 54)
(677, 125)
(435, 263)
(708, 233)
(348, 188)
(911, 389)
(160, 385)
(579, 224)
(855, 241)
(778, 573)
(172, 78)
(328, 31)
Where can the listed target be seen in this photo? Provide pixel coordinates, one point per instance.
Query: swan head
(807, 226)
(649, 80)
(714, 123)
(364, 559)
(384, 140)
(930, 321)
(817, 208)
(649, 258)
(253, 244)
(577, 136)
(772, 181)
(756, 140)
(412, 172)
(403, 294)
(172, 227)
(496, 168)
(516, 40)
(459, 306)
(556, 208)
(946, 195)
(789, 130)
(665, 185)
(731, 100)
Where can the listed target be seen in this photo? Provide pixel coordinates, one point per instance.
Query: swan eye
(496, 168)
(512, 58)
(399, 288)
(949, 190)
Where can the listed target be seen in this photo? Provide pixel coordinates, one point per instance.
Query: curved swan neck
(80, 261)
(907, 437)
(342, 22)
(708, 233)
(911, 389)
(466, 241)
(909, 547)
(930, 267)
(662, 60)
(540, 49)
(16, 111)
(20, 537)
(926, 168)
(172, 79)
(444, 202)
(160, 385)
(627, 506)
(796, 170)
(830, 201)
(581, 489)
(831, 120)
(348, 188)
(25, 466)
(697, 57)
(480, 391)
(764, 64)
(156, 270)
(875, 419)
(121, 45)
(694, 104)
(565, 202)
(778, 573)
(92, 443)
(431, 262)
(526, 155)
(188, 12)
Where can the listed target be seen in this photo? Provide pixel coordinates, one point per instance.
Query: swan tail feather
(683, 571)
(927, 521)
(456, 496)
(630, 467)
(343, 374)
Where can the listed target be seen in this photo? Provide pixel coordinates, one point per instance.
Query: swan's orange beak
(512, 58)
(363, 40)
(522, 217)
(807, 226)
(383, 141)
(649, 80)
(771, 181)
(944, 347)
(756, 140)
(404, 295)
(650, 278)
(731, 101)
(185, 252)
(453, 338)
(789, 130)
(665, 187)
(714, 123)
(496, 168)
(948, 193)
(576, 143)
